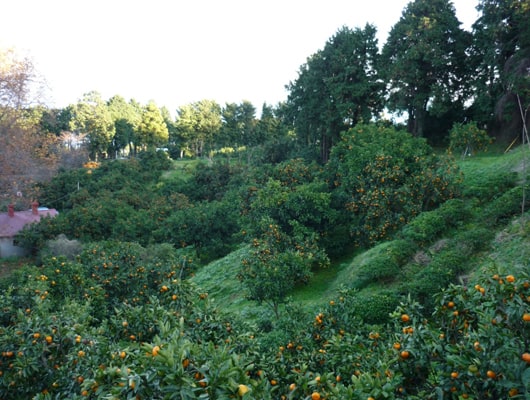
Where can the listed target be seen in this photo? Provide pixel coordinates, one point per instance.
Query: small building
(13, 222)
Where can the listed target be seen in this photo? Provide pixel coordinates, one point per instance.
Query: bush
(384, 178)
(382, 263)
(425, 228)
(468, 139)
(62, 246)
(488, 187)
(474, 239)
(503, 208)
(442, 270)
(374, 307)
(430, 225)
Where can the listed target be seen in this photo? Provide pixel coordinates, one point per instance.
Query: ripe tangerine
(315, 396)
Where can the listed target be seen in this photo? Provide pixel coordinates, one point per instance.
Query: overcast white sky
(180, 51)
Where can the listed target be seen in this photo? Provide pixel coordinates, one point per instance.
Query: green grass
(181, 170)
(219, 279)
(322, 287)
(485, 164)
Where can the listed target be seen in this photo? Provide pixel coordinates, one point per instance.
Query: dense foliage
(107, 308)
(385, 177)
(121, 321)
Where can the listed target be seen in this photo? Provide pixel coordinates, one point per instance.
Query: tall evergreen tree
(198, 124)
(424, 62)
(337, 87)
(126, 119)
(152, 129)
(501, 50)
(92, 117)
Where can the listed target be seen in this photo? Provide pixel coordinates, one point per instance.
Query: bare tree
(27, 154)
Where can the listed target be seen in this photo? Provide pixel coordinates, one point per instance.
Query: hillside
(503, 242)
(121, 320)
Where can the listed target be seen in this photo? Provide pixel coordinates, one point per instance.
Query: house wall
(8, 249)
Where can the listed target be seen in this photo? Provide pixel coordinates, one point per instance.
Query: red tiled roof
(10, 226)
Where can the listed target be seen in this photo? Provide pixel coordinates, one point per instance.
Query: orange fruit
(315, 396)
(123, 354)
(526, 317)
(49, 339)
(451, 304)
(526, 358)
(405, 318)
(510, 278)
(292, 387)
(397, 346)
(155, 350)
(242, 389)
(404, 354)
(491, 374)
(273, 382)
(454, 375)
(513, 392)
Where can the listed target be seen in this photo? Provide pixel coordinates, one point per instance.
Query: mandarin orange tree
(382, 177)
(65, 334)
(468, 139)
(483, 335)
(279, 262)
(174, 343)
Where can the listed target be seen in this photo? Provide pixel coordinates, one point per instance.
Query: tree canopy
(425, 64)
(336, 88)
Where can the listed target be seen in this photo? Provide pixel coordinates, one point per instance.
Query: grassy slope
(510, 249)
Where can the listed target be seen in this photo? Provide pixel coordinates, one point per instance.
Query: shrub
(442, 270)
(506, 206)
(467, 139)
(487, 187)
(430, 225)
(425, 228)
(62, 246)
(374, 307)
(474, 238)
(383, 178)
(382, 263)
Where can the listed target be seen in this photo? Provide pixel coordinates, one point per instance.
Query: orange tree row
(119, 323)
